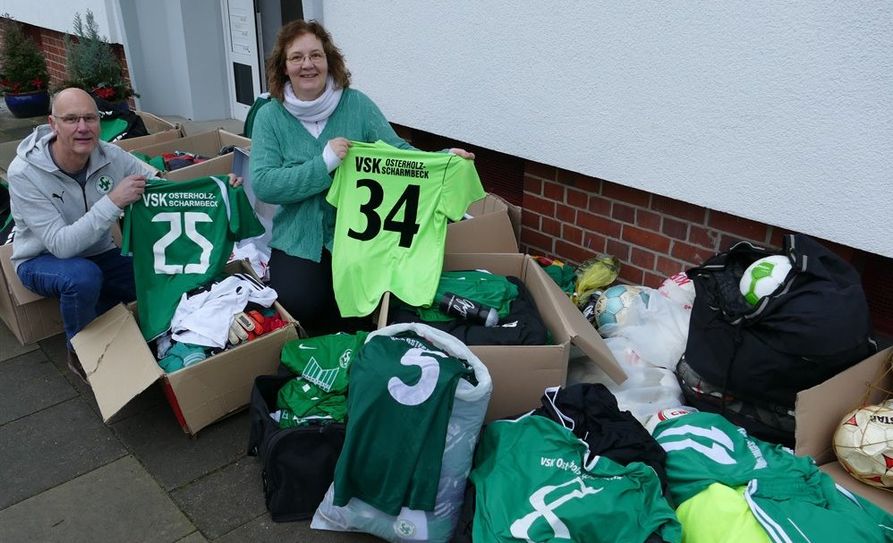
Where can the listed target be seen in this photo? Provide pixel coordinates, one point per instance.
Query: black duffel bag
(814, 325)
(298, 463)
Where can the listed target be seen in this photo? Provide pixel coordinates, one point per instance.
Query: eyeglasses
(315, 58)
(90, 118)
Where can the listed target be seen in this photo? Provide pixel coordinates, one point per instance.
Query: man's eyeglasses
(315, 58)
(90, 118)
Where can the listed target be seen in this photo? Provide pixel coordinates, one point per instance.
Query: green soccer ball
(763, 277)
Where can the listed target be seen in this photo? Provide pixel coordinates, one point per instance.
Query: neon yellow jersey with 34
(390, 230)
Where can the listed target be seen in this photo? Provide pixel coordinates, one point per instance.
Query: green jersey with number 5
(390, 230)
(181, 235)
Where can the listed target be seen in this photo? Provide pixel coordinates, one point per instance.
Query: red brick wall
(572, 217)
(52, 43)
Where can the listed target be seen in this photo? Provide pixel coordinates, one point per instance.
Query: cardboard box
(119, 365)
(221, 165)
(29, 316)
(819, 410)
(488, 228)
(159, 131)
(520, 373)
(206, 144)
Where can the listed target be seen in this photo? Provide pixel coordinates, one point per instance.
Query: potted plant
(93, 66)
(23, 73)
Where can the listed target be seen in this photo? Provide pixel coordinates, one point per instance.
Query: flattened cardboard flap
(116, 359)
(819, 409)
(581, 332)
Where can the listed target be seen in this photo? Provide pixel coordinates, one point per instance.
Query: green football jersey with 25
(181, 235)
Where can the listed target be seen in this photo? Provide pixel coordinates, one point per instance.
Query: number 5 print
(416, 394)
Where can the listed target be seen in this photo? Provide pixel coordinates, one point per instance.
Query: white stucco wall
(782, 113)
(59, 14)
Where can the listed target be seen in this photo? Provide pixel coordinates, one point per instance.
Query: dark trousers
(85, 286)
(305, 291)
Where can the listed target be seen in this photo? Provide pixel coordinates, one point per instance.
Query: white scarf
(313, 110)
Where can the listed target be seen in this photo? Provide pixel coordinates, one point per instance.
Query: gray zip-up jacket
(52, 213)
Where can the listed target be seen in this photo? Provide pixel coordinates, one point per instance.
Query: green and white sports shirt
(534, 480)
(181, 235)
(789, 496)
(319, 392)
(390, 230)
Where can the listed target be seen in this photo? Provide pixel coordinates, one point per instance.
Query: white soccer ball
(863, 443)
(763, 276)
(612, 306)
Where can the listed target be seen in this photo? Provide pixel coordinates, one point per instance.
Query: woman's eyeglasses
(315, 58)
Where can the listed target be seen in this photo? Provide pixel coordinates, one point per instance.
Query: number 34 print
(408, 201)
(390, 229)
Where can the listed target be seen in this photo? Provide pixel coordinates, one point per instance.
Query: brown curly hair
(275, 64)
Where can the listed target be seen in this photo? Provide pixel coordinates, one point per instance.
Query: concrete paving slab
(262, 530)
(8, 152)
(194, 537)
(9, 345)
(224, 500)
(29, 383)
(174, 458)
(50, 447)
(57, 352)
(117, 502)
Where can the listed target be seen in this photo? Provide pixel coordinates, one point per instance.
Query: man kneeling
(67, 188)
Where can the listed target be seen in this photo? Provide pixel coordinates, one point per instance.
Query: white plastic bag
(467, 416)
(657, 329)
(647, 389)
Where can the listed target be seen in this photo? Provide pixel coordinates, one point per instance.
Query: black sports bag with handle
(814, 325)
(298, 463)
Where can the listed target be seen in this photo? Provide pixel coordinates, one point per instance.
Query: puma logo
(59, 196)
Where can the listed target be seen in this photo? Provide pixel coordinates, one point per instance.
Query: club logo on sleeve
(344, 359)
(404, 527)
(104, 184)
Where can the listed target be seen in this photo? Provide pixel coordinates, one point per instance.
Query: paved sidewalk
(67, 476)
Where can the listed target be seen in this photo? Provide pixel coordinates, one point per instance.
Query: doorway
(250, 28)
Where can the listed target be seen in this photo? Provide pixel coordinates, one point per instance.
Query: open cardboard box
(159, 131)
(119, 366)
(206, 144)
(221, 165)
(520, 373)
(28, 315)
(487, 229)
(820, 409)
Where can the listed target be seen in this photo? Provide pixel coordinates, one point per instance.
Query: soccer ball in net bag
(863, 443)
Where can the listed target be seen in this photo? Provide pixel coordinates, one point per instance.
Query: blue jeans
(85, 286)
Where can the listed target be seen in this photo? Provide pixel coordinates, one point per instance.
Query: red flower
(106, 93)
